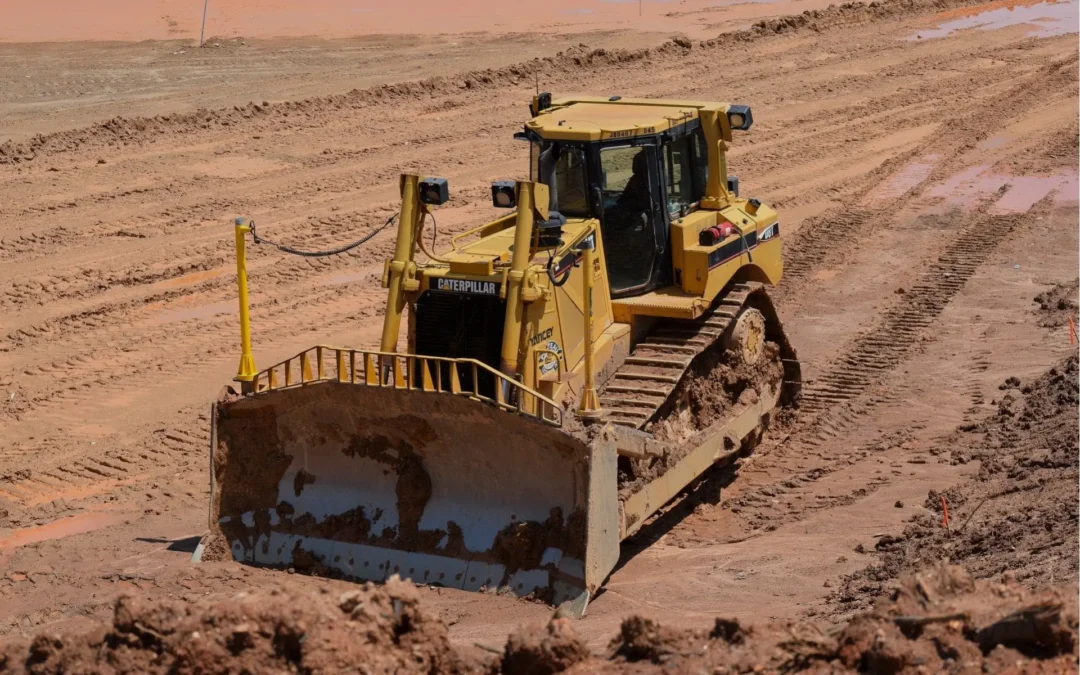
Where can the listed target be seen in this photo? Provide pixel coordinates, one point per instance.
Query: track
(650, 375)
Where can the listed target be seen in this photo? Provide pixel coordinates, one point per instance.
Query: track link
(637, 391)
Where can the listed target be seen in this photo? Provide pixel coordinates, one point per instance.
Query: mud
(248, 463)
(1058, 304)
(710, 390)
(123, 132)
(383, 628)
(521, 545)
(302, 478)
(937, 621)
(1018, 514)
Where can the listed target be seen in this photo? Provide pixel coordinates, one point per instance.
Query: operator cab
(634, 167)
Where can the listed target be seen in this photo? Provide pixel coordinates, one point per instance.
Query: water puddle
(978, 183)
(1047, 18)
(913, 173)
(57, 529)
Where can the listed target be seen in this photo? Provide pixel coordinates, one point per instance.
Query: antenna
(536, 75)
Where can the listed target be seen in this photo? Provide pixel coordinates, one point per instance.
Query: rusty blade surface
(436, 488)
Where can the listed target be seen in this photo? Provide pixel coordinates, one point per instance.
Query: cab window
(628, 224)
(686, 166)
(568, 182)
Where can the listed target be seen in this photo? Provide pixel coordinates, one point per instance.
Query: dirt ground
(927, 185)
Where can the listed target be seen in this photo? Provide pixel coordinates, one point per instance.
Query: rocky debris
(1057, 304)
(1018, 513)
(381, 627)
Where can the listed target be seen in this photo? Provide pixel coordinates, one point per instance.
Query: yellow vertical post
(403, 257)
(519, 262)
(589, 407)
(246, 373)
(716, 194)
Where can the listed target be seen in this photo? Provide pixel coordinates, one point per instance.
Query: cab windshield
(563, 169)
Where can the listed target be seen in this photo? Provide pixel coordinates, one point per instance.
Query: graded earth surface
(922, 155)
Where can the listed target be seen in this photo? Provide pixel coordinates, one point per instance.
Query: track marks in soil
(902, 326)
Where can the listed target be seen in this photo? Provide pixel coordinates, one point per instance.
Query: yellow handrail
(414, 372)
(503, 222)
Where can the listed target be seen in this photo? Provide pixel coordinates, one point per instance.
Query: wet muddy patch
(1046, 19)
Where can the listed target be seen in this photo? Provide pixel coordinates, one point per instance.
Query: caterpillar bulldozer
(566, 370)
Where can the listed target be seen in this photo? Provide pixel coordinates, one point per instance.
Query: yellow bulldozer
(567, 370)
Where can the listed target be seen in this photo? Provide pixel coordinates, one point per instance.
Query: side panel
(751, 253)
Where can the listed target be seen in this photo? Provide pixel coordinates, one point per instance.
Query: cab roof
(596, 119)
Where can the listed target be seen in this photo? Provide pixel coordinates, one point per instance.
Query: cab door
(633, 222)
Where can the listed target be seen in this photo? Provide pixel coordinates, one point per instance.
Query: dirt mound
(381, 627)
(1057, 304)
(936, 621)
(541, 650)
(1019, 513)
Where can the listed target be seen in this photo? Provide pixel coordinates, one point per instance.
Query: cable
(320, 254)
(420, 237)
(551, 271)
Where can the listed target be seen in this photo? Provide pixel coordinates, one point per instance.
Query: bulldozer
(566, 370)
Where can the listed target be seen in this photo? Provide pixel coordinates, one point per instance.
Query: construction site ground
(925, 170)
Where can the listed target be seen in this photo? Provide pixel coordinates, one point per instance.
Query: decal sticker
(542, 335)
(467, 286)
(627, 133)
(547, 360)
(769, 232)
(733, 249)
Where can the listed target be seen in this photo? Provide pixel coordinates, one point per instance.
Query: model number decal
(467, 286)
(626, 133)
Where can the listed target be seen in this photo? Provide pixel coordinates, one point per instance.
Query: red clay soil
(936, 621)
(1017, 514)
(381, 627)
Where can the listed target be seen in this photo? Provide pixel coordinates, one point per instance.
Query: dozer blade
(437, 488)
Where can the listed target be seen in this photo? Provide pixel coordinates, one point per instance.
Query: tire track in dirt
(898, 332)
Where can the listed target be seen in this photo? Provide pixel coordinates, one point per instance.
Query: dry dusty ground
(928, 189)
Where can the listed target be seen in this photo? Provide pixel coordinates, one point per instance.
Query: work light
(502, 194)
(739, 117)
(434, 191)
